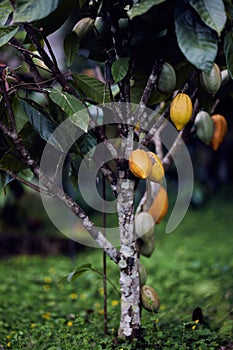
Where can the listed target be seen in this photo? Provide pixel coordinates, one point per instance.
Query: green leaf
(142, 7)
(5, 10)
(57, 18)
(20, 116)
(86, 144)
(228, 50)
(29, 11)
(6, 34)
(43, 126)
(212, 12)
(71, 46)
(78, 272)
(10, 162)
(91, 88)
(72, 107)
(198, 42)
(120, 68)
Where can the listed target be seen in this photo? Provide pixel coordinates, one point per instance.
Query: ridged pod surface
(211, 82)
(150, 298)
(83, 27)
(204, 125)
(220, 129)
(157, 171)
(140, 164)
(144, 226)
(159, 206)
(166, 81)
(181, 110)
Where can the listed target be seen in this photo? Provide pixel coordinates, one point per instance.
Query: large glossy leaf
(10, 162)
(43, 126)
(6, 34)
(71, 46)
(72, 107)
(142, 7)
(228, 49)
(212, 12)
(29, 11)
(91, 88)
(57, 18)
(120, 68)
(5, 10)
(196, 40)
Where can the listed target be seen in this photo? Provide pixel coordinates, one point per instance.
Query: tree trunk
(129, 275)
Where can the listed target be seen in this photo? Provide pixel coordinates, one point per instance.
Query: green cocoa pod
(211, 82)
(204, 127)
(142, 274)
(166, 81)
(83, 27)
(144, 226)
(147, 248)
(150, 299)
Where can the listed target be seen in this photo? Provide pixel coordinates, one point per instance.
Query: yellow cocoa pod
(211, 81)
(181, 110)
(150, 298)
(140, 164)
(142, 274)
(144, 226)
(146, 248)
(157, 171)
(83, 27)
(159, 206)
(220, 129)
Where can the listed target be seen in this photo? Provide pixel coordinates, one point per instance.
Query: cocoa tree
(156, 54)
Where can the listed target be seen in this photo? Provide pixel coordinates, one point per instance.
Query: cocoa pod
(220, 129)
(147, 247)
(142, 274)
(211, 82)
(166, 81)
(181, 110)
(204, 127)
(159, 206)
(150, 299)
(144, 226)
(140, 164)
(83, 27)
(157, 171)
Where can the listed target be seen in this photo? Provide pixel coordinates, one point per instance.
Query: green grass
(193, 266)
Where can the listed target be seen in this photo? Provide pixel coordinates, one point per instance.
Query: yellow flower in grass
(8, 344)
(33, 325)
(8, 337)
(46, 315)
(114, 302)
(101, 311)
(46, 287)
(101, 291)
(69, 323)
(73, 296)
(48, 280)
(97, 305)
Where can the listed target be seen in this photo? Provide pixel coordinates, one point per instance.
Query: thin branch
(27, 183)
(8, 106)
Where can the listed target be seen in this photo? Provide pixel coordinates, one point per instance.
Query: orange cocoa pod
(220, 129)
(159, 206)
(140, 164)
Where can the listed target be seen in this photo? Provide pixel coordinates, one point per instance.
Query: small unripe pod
(150, 299)
(83, 27)
(157, 171)
(204, 127)
(166, 81)
(211, 82)
(147, 247)
(144, 226)
(142, 274)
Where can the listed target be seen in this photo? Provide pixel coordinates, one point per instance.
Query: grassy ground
(191, 267)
